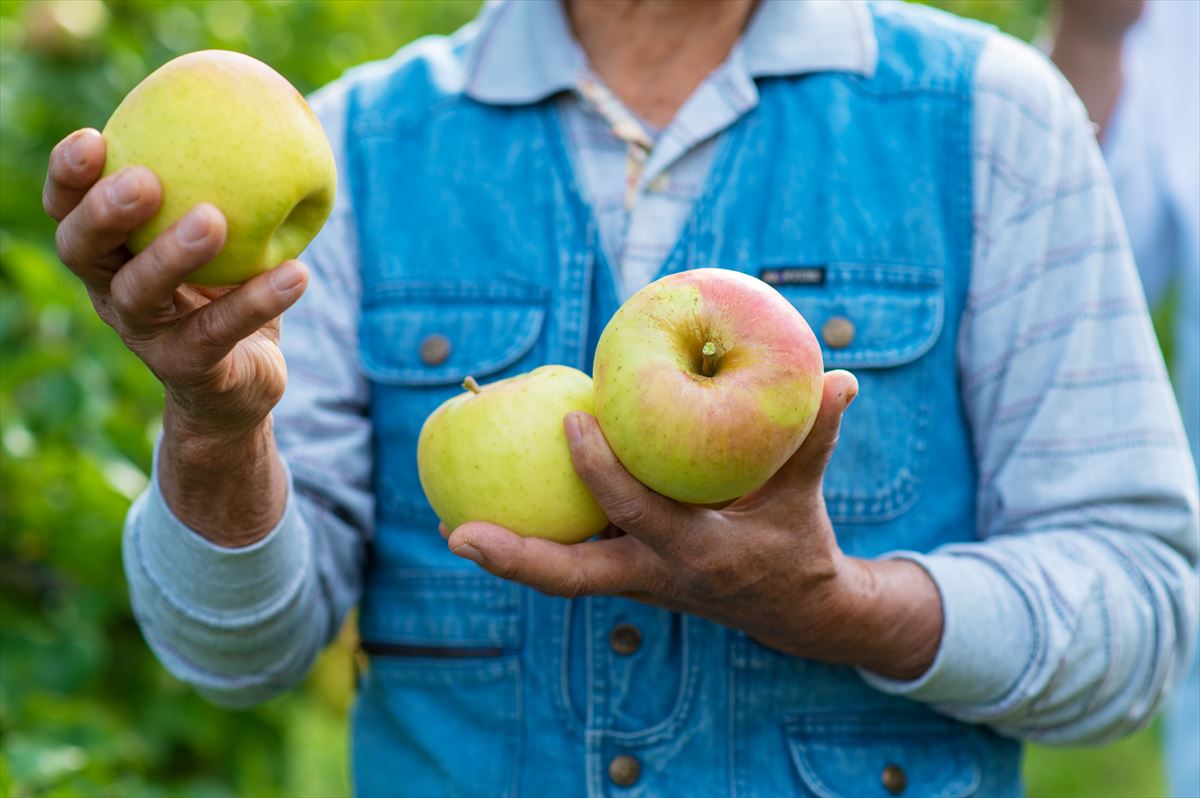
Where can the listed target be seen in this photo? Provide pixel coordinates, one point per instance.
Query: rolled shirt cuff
(989, 636)
(210, 582)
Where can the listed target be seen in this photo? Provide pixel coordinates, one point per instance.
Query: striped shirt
(1087, 498)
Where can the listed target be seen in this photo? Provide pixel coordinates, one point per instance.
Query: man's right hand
(214, 350)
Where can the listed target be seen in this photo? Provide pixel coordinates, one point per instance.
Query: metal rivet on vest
(893, 778)
(838, 332)
(624, 770)
(625, 638)
(435, 349)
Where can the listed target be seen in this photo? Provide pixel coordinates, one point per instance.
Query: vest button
(838, 332)
(624, 770)
(435, 349)
(625, 638)
(893, 778)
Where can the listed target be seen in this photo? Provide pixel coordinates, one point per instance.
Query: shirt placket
(626, 127)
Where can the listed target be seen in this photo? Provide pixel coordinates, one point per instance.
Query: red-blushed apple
(706, 382)
(499, 453)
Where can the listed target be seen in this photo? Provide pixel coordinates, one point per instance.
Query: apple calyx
(472, 386)
(708, 359)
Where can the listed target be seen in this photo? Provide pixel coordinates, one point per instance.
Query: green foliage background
(84, 707)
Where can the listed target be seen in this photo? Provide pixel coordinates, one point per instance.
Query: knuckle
(125, 297)
(573, 584)
(259, 305)
(508, 569)
(715, 570)
(158, 257)
(101, 213)
(627, 512)
(66, 241)
(104, 309)
(209, 324)
(49, 200)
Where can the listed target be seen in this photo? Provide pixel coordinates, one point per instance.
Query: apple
(706, 382)
(224, 128)
(498, 453)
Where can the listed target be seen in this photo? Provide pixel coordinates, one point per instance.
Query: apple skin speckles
(501, 456)
(223, 128)
(695, 438)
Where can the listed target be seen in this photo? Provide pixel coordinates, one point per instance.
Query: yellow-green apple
(706, 382)
(224, 128)
(498, 453)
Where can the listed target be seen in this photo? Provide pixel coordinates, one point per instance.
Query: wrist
(200, 437)
(892, 617)
(226, 484)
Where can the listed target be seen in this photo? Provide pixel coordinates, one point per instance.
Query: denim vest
(472, 227)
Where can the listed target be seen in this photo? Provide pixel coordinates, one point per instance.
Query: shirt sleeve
(1074, 613)
(244, 624)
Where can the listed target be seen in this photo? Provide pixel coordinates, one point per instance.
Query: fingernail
(469, 552)
(285, 278)
(573, 430)
(194, 228)
(77, 150)
(127, 189)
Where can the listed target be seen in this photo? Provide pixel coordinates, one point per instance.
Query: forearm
(1063, 636)
(235, 622)
(229, 486)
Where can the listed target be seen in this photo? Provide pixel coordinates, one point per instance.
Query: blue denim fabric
(482, 687)
(1182, 736)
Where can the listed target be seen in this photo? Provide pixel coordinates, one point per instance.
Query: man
(999, 549)
(1141, 85)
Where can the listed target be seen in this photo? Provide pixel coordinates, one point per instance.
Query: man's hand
(214, 350)
(768, 564)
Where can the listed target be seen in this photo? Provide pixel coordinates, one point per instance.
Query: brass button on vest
(435, 349)
(894, 780)
(625, 638)
(838, 332)
(624, 770)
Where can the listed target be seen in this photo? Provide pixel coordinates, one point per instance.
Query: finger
(143, 290)
(443, 530)
(217, 328)
(580, 569)
(91, 238)
(807, 466)
(75, 164)
(628, 503)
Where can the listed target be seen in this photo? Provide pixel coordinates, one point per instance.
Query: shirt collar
(524, 52)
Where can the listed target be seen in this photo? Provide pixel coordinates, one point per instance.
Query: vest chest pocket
(879, 322)
(882, 756)
(418, 341)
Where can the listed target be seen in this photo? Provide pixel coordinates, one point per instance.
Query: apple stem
(708, 359)
(472, 386)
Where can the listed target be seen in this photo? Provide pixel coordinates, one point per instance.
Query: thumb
(807, 466)
(628, 503)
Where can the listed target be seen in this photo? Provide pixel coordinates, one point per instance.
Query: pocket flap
(450, 609)
(874, 315)
(475, 329)
(882, 755)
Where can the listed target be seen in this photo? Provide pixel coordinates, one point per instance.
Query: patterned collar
(524, 50)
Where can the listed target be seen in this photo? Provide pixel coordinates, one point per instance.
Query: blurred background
(84, 707)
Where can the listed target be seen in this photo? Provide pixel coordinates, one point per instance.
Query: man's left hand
(768, 564)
